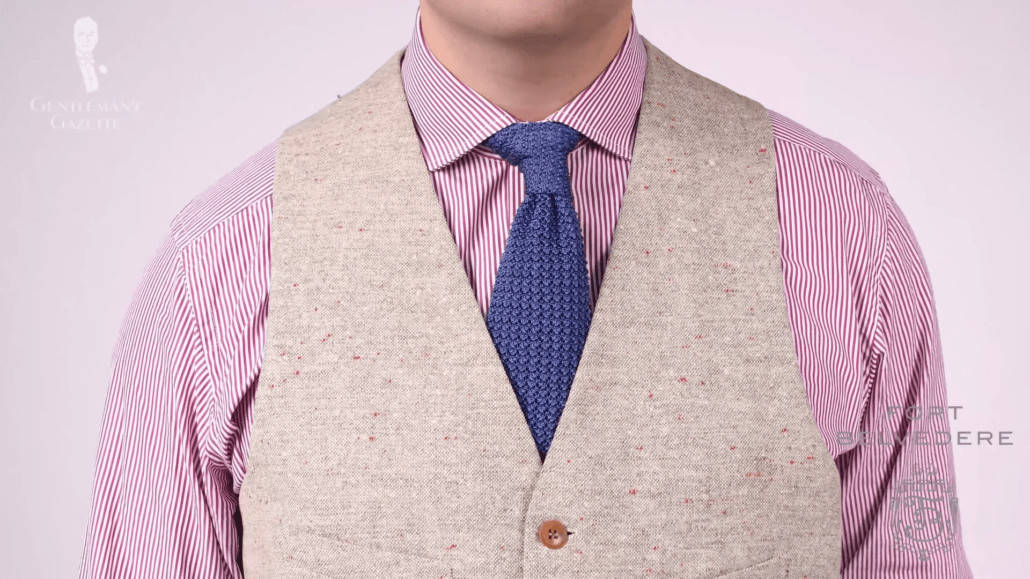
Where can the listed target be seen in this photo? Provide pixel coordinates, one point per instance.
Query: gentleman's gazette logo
(92, 114)
(86, 35)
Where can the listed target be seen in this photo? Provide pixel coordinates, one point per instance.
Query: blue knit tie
(540, 306)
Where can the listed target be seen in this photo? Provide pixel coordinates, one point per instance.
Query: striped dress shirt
(174, 438)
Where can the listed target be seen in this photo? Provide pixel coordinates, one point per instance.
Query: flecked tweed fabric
(540, 308)
(387, 440)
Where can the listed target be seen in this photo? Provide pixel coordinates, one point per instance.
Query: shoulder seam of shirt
(247, 184)
(787, 129)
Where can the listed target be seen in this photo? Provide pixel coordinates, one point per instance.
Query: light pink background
(930, 93)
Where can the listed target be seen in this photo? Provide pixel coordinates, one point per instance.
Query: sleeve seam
(180, 264)
(878, 333)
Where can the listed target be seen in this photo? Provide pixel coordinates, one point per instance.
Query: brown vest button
(553, 534)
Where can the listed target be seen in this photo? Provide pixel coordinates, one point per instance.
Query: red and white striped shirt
(176, 425)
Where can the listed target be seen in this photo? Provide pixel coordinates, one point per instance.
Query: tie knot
(539, 150)
(520, 141)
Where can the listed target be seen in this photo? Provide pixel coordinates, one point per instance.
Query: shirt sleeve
(900, 505)
(162, 502)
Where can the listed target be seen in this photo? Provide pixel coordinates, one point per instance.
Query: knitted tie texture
(539, 310)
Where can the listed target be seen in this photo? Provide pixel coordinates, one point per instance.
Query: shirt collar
(451, 118)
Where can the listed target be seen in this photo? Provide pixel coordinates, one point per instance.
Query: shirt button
(553, 534)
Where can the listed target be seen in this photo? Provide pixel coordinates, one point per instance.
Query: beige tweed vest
(388, 441)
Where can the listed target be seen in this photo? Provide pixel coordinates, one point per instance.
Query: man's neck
(529, 77)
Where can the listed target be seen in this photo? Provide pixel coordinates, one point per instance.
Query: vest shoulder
(688, 91)
(787, 130)
(246, 187)
(352, 106)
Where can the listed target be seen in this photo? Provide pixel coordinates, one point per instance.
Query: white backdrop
(929, 93)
